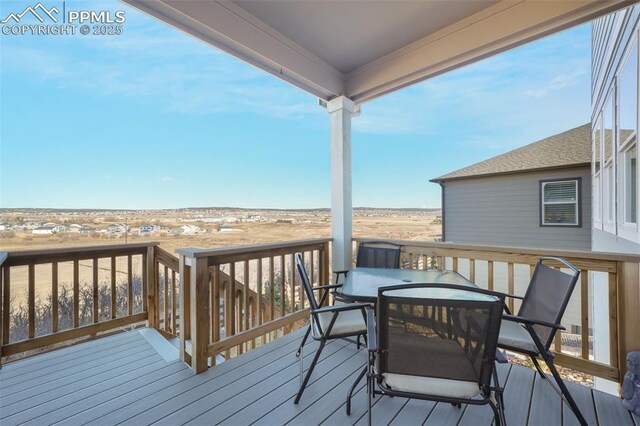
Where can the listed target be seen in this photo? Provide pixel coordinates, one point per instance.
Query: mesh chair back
(378, 255)
(306, 284)
(547, 297)
(439, 331)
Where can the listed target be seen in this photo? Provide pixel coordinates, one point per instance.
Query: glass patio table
(362, 284)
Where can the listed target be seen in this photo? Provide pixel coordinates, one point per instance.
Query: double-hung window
(627, 148)
(560, 202)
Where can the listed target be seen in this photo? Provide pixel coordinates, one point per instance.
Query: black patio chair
(533, 329)
(449, 359)
(326, 323)
(374, 255)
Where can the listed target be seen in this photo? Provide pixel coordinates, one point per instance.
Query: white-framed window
(560, 202)
(596, 173)
(627, 102)
(608, 146)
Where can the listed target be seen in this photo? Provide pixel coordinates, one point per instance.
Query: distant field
(273, 226)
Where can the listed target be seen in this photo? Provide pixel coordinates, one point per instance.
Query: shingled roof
(570, 148)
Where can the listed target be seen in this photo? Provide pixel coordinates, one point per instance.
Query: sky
(153, 118)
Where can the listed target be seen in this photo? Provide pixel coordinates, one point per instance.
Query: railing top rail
(45, 255)
(253, 248)
(593, 255)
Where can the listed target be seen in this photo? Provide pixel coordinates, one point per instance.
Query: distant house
(4, 227)
(117, 228)
(146, 229)
(87, 230)
(44, 230)
(538, 195)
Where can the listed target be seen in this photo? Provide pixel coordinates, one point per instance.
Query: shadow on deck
(132, 378)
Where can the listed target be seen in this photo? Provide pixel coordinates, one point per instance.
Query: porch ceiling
(363, 50)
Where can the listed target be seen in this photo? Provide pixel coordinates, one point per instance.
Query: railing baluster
(6, 307)
(54, 297)
(584, 313)
(130, 284)
(455, 264)
(259, 291)
(96, 309)
(145, 283)
(114, 305)
(76, 294)
(272, 300)
(165, 298)
(31, 301)
(490, 274)
(472, 270)
(173, 302)
(245, 295)
(510, 285)
(292, 284)
(231, 326)
(613, 319)
(283, 291)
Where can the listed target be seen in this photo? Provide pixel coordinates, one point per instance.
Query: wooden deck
(127, 379)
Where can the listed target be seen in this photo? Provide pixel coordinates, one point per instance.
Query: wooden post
(152, 283)
(628, 312)
(200, 314)
(185, 307)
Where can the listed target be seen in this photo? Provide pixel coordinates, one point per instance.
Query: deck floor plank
(65, 367)
(108, 364)
(232, 369)
(48, 358)
(414, 412)
(584, 398)
(242, 391)
(610, 410)
(76, 385)
(204, 386)
(122, 379)
(327, 381)
(517, 395)
(257, 409)
(546, 405)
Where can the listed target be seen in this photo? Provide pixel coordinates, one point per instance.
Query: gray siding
(505, 211)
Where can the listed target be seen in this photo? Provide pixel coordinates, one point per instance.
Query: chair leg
(369, 395)
(308, 375)
(537, 365)
(496, 414)
(358, 342)
(304, 340)
(353, 387)
(566, 395)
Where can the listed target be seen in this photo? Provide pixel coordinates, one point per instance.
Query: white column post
(341, 110)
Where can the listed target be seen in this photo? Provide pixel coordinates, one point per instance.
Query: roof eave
(511, 172)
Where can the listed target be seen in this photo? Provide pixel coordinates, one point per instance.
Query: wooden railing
(52, 296)
(500, 267)
(166, 318)
(241, 297)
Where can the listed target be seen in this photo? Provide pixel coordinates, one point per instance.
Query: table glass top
(363, 283)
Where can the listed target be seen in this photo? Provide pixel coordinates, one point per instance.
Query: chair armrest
(513, 296)
(528, 321)
(372, 344)
(340, 308)
(345, 272)
(327, 287)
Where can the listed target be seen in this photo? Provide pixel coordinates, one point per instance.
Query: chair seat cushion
(348, 322)
(431, 385)
(515, 336)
